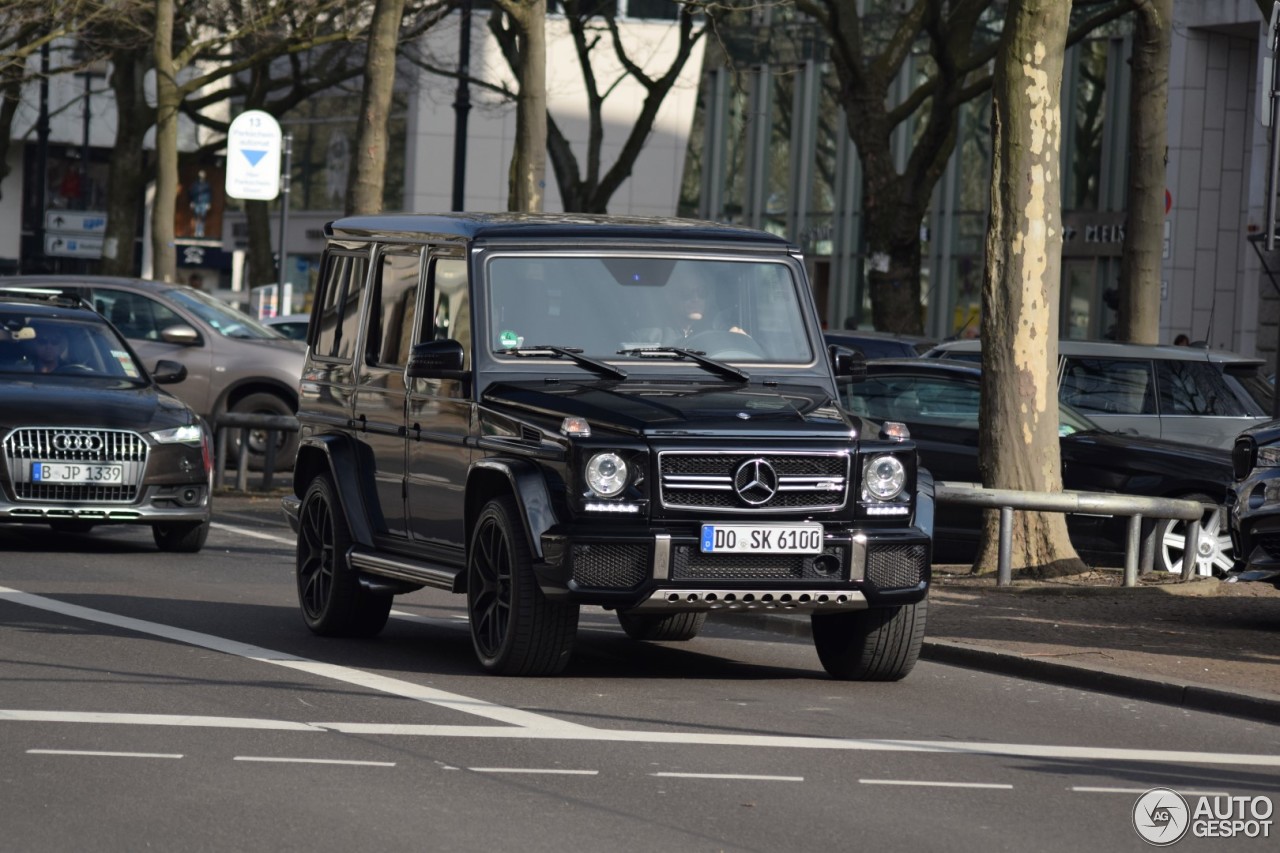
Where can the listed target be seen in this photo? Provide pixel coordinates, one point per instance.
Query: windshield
(53, 345)
(221, 316)
(1071, 421)
(727, 309)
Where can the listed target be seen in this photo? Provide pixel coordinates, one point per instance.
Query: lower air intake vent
(897, 566)
(610, 566)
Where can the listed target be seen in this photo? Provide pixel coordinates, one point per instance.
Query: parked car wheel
(663, 627)
(180, 537)
(333, 602)
(880, 644)
(1213, 554)
(263, 403)
(515, 629)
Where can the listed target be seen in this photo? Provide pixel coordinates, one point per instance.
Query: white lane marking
(737, 776)
(1084, 789)
(527, 725)
(244, 531)
(934, 784)
(552, 771)
(573, 732)
(367, 680)
(101, 754)
(187, 720)
(271, 759)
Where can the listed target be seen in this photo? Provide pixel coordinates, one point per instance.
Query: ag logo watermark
(1162, 817)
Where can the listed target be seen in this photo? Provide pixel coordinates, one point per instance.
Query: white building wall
(654, 186)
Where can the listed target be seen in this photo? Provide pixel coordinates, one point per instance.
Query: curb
(1184, 694)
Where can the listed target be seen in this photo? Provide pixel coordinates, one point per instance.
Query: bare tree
(1140, 265)
(948, 47)
(1018, 447)
(525, 20)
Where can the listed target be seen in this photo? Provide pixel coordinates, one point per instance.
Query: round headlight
(607, 474)
(884, 477)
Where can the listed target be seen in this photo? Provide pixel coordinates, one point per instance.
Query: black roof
(548, 226)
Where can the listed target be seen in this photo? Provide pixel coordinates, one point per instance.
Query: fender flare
(337, 455)
(529, 486)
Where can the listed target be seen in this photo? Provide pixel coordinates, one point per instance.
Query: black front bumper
(664, 569)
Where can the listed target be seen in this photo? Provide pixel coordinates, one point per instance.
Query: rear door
(1118, 394)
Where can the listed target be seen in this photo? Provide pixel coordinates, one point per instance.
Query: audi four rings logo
(74, 441)
(755, 481)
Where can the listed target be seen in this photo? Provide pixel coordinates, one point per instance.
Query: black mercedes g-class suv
(546, 411)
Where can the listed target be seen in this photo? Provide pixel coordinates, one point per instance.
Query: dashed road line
(285, 760)
(1085, 789)
(928, 784)
(745, 777)
(550, 771)
(244, 531)
(97, 753)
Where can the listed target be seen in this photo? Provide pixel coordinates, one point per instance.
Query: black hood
(74, 402)
(655, 408)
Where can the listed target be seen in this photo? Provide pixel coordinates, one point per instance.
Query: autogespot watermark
(1162, 817)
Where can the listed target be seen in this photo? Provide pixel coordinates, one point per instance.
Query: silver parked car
(1188, 394)
(233, 362)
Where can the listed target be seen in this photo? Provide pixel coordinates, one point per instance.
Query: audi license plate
(77, 473)
(762, 538)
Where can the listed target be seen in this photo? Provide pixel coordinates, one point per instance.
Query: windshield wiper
(574, 353)
(726, 370)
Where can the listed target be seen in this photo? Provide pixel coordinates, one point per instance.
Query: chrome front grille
(743, 482)
(24, 446)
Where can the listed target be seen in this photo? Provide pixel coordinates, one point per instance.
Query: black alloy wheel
(515, 629)
(333, 601)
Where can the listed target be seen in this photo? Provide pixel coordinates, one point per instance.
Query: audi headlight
(883, 477)
(189, 434)
(607, 474)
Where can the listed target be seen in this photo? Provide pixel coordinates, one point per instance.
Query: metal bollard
(1004, 562)
(1131, 550)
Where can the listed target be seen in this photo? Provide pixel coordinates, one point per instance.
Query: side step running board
(415, 572)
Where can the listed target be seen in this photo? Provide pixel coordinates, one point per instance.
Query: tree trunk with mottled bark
(128, 169)
(368, 178)
(1018, 445)
(529, 160)
(1140, 265)
(164, 254)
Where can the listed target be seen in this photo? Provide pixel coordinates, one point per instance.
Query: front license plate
(78, 473)
(762, 538)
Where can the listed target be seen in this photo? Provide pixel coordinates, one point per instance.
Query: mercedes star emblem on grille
(755, 481)
(74, 441)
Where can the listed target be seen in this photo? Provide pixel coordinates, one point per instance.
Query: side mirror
(181, 334)
(847, 364)
(436, 360)
(168, 372)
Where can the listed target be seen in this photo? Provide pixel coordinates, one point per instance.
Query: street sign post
(72, 246)
(254, 143)
(75, 221)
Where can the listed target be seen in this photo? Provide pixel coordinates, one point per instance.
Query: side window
(394, 300)
(1108, 386)
(451, 316)
(338, 316)
(136, 316)
(1196, 388)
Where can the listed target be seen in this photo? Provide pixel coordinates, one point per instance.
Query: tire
(333, 602)
(515, 629)
(1213, 554)
(669, 627)
(185, 537)
(879, 644)
(262, 403)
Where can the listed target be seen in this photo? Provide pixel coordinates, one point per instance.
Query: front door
(438, 421)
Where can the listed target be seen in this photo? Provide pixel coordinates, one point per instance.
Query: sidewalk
(1207, 644)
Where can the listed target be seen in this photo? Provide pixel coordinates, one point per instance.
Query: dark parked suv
(543, 412)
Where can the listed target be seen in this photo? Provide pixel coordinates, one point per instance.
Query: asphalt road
(178, 703)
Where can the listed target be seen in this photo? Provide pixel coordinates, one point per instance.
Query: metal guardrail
(1096, 503)
(272, 425)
